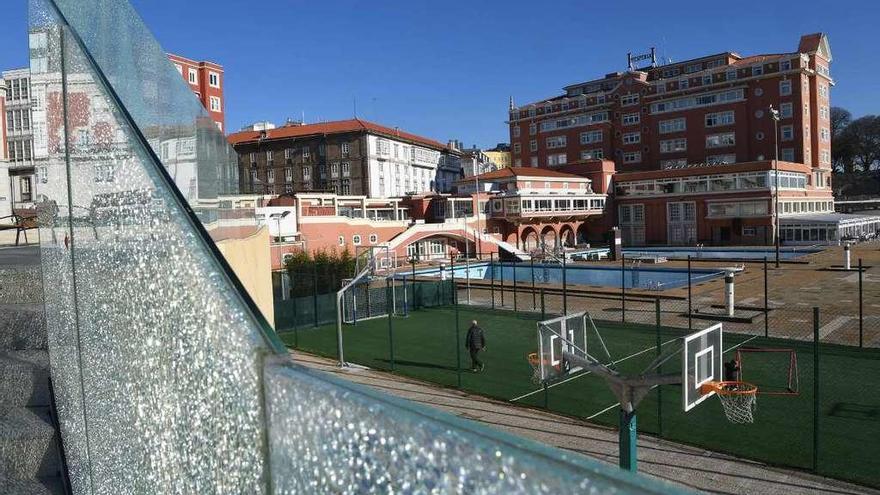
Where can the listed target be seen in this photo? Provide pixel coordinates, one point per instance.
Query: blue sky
(446, 69)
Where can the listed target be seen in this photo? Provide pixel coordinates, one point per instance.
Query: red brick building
(206, 81)
(693, 118)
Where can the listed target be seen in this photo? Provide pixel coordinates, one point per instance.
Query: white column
(728, 292)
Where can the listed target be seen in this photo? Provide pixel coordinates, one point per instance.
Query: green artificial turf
(425, 347)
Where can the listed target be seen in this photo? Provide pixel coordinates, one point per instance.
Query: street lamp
(277, 217)
(774, 114)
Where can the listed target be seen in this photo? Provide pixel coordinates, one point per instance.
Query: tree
(840, 118)
(861, 140)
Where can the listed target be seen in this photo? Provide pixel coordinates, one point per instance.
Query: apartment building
(347, 157)
(206, 81)
(5, 186)
(25, 133)
(674, 133)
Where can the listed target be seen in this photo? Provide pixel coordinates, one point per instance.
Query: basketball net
(737, 398)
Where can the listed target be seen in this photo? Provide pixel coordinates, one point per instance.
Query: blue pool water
(719, 253)
(607, 276)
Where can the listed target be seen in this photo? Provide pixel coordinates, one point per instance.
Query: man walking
(475, 342)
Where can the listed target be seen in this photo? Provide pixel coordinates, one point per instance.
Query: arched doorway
(549, 239)
(566, 234)
(529, 239)
(582, 234)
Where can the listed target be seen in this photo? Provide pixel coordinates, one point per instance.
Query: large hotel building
(692, 142)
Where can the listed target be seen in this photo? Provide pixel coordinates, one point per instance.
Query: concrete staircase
(29, 457)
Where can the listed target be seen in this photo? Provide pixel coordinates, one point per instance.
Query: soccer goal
(375, 291)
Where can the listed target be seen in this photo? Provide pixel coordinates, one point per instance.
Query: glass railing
(167, 377)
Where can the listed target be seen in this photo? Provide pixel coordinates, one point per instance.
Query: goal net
(374, 297)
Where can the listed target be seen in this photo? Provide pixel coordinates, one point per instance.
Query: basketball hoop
(737, 398)
(535, 362)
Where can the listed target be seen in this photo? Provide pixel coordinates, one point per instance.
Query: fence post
(861, 303)
(659, 368)
(766, 302)
(543, 310)
(457, 336)
(564, 287)
(514, 286)
(816, 388)
(315, 293)
(295, 324)
(388, 295)
(413, 261)
(622, 288)
(492, 279)
(690, 303)
(534, 292)
(501, 263)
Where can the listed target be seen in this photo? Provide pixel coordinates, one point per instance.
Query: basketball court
(427, 344)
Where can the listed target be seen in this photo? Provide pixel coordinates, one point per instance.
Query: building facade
(500, 155)
(347, 157)
(206, 81)
(712, 109)
(25, 119)
(5, 186)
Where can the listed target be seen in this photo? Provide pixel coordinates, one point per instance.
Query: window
(306, 152)
(825, 134)
(788, 154)
(253, 158)
(214, 79)
(785, 87)
(631, 119)
(673, 125)
(288, 174)
(215, 104)
(629, 100)
(193, 76)
(825, 157)
(346, 169)
(592, 154)
(632, 138)
(341, 240)
(824, 112)
(786, 132)
(591, 137)
(334, 170)
(374, 238)
(690, 69)
(720, 140)
(785, 110)
(356, 240)
(757, 70)
(718, 62)
(737, 209)
(533, 161)
(785, 65)
(660, 87)
(556, 142)
(345, 149)
(533, 129)
(823, 90)
(673, 145)
(533, 145)
(684, 84)
(720, 119)
(731, 75)
(707, 80)
(270, 156)
(270, 176)
(701, 100)
(515, 131)
(517, 148)
(557, 159)
(632, 157)
(517, 162)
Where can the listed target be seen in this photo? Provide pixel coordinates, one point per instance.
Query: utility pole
(774, 114)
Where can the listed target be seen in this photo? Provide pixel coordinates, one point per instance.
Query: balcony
(549, 206)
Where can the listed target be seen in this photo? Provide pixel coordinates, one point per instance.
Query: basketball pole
(628, 441)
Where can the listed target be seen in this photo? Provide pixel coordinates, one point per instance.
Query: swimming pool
(640, 277)
(682, 253)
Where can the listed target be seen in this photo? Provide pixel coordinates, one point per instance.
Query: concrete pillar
(847, 257)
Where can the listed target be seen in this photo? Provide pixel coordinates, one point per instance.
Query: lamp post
(277, 217)
(479, 230)
(774, 114)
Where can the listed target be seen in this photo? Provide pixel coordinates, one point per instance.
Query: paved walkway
(689, 466)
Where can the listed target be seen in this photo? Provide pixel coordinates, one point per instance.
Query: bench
(21, 221)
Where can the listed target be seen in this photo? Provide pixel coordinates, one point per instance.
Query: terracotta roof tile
(334, 127)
